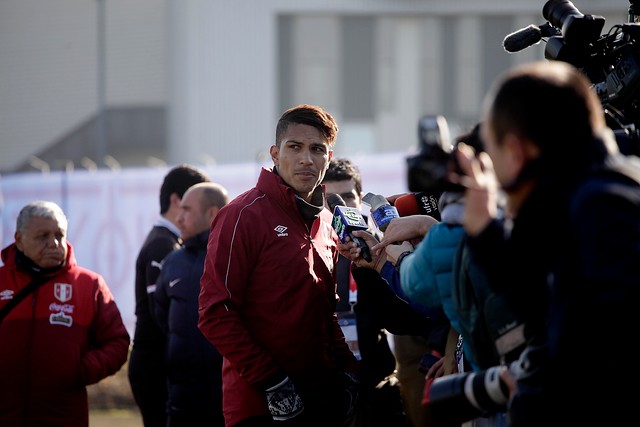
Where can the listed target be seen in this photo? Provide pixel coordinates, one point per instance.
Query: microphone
(421, 203)
(528, 36)
(346, 220)
(382, 211)
(522, 39)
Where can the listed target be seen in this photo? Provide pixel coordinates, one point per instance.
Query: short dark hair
(553, 104)
(177, 181)
(344, 170)
(311, 115)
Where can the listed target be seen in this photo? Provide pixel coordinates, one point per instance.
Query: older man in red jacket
(65, 334)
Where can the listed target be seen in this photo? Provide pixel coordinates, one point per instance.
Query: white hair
(40, 209)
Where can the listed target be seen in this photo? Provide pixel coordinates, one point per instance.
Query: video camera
(457, 398)
(428, 170)
(611, 61)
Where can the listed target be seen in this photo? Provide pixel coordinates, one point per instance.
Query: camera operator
(567, 258)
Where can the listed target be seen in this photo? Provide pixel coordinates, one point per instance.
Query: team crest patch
(62, 292)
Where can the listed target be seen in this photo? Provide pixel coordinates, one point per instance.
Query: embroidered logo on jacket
(60, 319)
(281, 230)
(6, 294)
(62, 292)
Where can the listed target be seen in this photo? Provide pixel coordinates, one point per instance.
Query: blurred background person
(367, 302)
(64, 334)
(194, 366)
(421, 332)
(147, 375)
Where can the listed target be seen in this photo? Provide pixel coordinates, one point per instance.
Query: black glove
(284, 401)
(351, 390)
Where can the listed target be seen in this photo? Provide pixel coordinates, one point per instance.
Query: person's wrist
(401, 258)
(274, 380)
(382, 258)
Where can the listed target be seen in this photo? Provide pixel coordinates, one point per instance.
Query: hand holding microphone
(346, 220)
(409, 219)
(382, 212)
(406, 228)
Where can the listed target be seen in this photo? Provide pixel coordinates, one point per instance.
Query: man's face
(44, 241)
(345, 189)
(192, 218)
(302, 157)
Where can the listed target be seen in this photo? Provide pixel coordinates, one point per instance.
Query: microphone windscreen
(407, 205)
(334, 200)
(421, 203)
(522, 39)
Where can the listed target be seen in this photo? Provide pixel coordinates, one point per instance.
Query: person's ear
(520, 150)
(212, 211)
(274, 151)
(17, 236)
(175, 200)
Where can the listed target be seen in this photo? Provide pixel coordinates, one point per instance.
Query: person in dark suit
(147, 375)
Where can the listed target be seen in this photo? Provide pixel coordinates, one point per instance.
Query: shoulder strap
(32, 286)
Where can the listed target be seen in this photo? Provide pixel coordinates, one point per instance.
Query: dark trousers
(149, 386)
(194, 419)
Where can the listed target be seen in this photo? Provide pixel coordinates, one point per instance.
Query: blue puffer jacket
(193, 363)
(425, 275)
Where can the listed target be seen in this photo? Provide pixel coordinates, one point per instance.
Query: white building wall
(48, 66)
(213, 63)
(223, 87)
(47, 72)
(469, 59)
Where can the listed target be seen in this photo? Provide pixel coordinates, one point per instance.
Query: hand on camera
(284, 401)
(481, 196)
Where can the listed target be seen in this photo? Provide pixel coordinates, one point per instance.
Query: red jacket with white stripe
(268, 294)
(65, 335)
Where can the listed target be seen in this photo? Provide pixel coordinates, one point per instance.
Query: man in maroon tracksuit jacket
(268, 291)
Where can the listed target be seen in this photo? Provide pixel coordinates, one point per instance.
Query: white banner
(111, 212)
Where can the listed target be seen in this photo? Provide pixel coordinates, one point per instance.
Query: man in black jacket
(194, 366)
(146, 362)
(567, 258)
(367, 309)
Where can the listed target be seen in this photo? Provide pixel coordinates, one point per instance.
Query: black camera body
(611, 61)
(429, 169)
